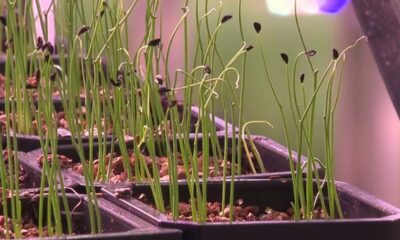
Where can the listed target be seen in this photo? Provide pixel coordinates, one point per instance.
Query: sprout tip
(285, 57)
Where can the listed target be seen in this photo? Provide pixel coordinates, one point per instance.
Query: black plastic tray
(380, 21)
(273, 154)
(366, 217)
(33, 173)
(116, 222)
(28, 143)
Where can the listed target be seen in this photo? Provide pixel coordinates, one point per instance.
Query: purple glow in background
(306, 7)
(332, 6)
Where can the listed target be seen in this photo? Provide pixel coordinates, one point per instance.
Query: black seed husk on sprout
(49, 47)
(257, 27)
(207, 69)
(3, 20)
(311, 53)
(101, 14)
(82, 30)
(120, 78)
(335, 54)
(116, 83)
(172, 103)
(163, 90)
(159, 79)
(53, 76)
(285, 57)
(249, 48)
(154, 42)
(39, 43)
(226, 18)
(302, 78)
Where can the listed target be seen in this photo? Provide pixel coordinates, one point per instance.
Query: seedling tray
(273, 155)
(366, 217)
(116, 222)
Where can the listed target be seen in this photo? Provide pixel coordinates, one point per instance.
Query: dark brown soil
(29, 218)
(117, 173)
(241, 212)
(60, 116)
(30, 81)
(62, 124)
(29, 229)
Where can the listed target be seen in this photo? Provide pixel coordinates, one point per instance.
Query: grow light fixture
(306, 7)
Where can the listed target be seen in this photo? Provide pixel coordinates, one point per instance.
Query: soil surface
(29, 229)
(117, 172)
(241, 212)
(31, 81)
(62, 124)
(29, 219)
(60, 117)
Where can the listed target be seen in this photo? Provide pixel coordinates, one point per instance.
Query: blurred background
(367, 144)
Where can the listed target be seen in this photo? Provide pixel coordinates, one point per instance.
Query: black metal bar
(380, 21)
